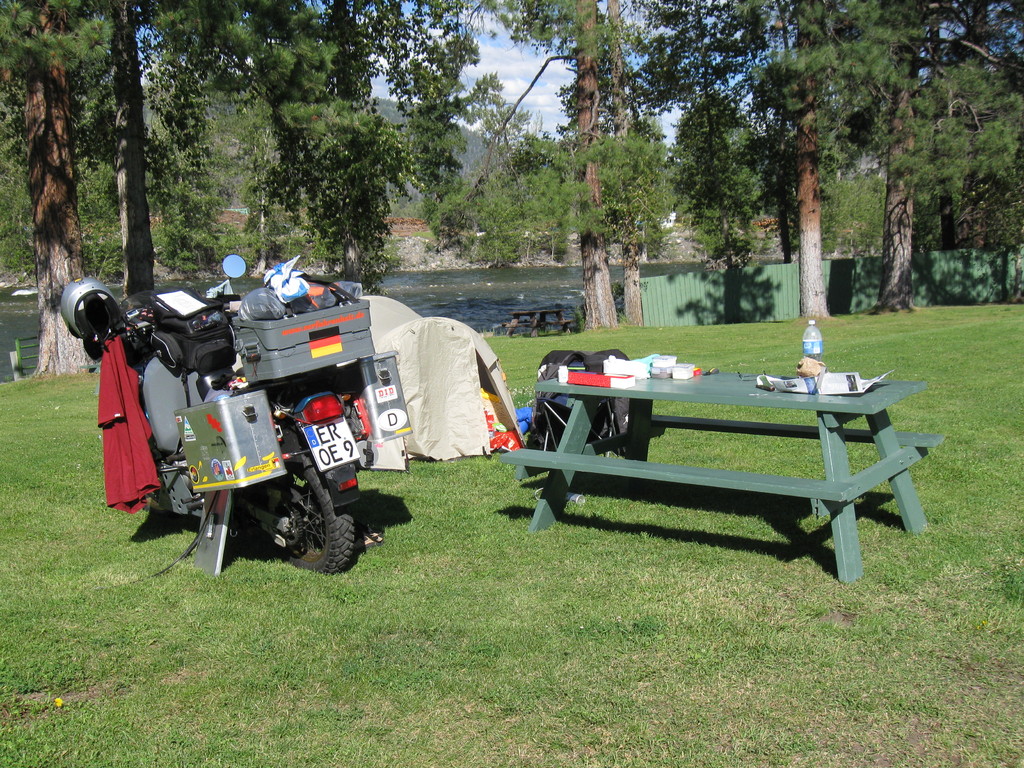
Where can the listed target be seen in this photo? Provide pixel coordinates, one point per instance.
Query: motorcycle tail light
(322, 408)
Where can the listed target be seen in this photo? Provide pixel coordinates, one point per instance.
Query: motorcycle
(261, 412)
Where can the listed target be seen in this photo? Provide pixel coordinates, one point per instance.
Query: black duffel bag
(191, 333)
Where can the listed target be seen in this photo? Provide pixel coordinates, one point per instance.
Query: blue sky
(516, 67)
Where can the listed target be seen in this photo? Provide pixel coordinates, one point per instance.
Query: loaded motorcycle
(259, 412)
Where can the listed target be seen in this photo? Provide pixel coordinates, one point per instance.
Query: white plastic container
(635, 368)
(683, 371)
(661, 367)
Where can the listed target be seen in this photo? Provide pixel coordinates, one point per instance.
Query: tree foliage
(945, 79)
(703, 60)
(337, 158)
(910, 112)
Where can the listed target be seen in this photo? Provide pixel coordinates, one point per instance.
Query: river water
(480, 298)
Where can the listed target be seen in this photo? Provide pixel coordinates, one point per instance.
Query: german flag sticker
(324, 342)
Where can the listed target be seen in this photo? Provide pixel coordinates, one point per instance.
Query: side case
(230, 442)
(384, 398)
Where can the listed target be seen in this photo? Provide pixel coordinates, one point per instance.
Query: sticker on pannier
(274, 349)
(326, 341)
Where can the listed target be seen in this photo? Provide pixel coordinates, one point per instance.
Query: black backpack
(191, 333)
(550, 410)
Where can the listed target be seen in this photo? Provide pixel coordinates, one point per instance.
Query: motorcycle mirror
(234, 265)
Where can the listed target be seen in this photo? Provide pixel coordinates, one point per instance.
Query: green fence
(760, 294)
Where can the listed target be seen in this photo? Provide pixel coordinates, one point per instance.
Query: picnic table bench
(537, 320)
(25, 356)
(831, 497)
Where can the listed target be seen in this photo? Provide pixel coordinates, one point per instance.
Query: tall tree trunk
(598, 302)
(947, 222)
(896, 289)
(620, 107)
(782, 203)
(57, 233)
(263, 248)
(130, 154)
(353, 256)
(632, 246)
(808, 191)
(723, 228)
(632, 252)
(970, 227)
(267, 249)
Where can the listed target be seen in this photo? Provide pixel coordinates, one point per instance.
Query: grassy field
(683, 628)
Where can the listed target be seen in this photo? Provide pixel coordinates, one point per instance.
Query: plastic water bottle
(812, 341)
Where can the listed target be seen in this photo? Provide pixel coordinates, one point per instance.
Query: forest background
(843, 128)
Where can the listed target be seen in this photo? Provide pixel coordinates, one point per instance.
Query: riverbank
(420, 254)
(415, 250)
(417, 253)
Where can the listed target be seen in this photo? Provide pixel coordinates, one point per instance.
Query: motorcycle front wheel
(326, 537)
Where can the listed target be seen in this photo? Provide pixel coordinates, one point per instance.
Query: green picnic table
(831, 497)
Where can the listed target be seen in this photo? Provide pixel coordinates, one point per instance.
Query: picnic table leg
(638, 429)
(884, 435)
(551, 502)
(574, 441)
(638, 437)
(849, 566)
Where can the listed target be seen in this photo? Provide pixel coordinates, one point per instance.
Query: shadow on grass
(781, 513)
(157, 524)
(380, 510)
(375, 509)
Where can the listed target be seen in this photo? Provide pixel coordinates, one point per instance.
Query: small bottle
(812, 341)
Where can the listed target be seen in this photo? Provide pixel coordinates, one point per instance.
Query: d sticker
(392, 419)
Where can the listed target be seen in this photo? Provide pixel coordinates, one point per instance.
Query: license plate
(332, 444)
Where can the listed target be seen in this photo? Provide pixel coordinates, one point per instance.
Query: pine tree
(811, 23)
(41, 43)
(130, 148)
(570, 30)
(314, 66)
(941, 75)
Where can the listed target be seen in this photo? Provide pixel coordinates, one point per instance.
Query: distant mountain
(475, 149)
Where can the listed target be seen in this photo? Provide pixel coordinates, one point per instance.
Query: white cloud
(516, 66)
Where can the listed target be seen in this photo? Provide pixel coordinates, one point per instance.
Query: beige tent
(450, 376)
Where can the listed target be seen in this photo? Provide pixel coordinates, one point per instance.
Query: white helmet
(89, 309)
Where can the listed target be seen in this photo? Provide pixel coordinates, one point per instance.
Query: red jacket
(129, 471)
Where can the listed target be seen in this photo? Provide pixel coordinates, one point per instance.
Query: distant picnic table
(537, 320)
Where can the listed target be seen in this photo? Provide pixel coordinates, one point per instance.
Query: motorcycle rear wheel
(327, 537)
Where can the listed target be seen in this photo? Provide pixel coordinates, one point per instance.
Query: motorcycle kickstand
(216, 529)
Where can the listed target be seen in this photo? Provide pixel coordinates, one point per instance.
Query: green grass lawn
(687, 627)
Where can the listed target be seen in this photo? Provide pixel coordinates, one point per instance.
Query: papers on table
(825, 383)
